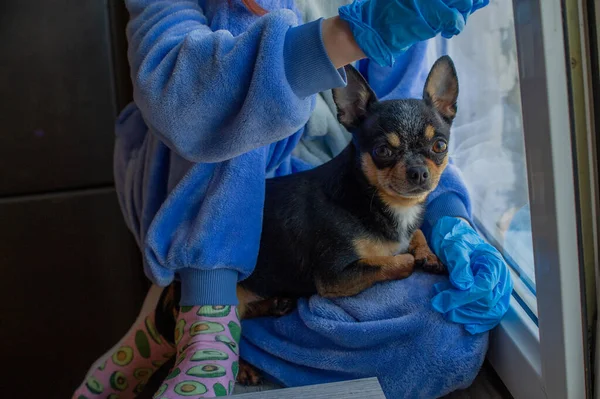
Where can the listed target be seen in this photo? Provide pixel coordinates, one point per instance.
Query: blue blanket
(389, 331)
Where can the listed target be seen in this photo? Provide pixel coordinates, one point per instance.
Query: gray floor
(487, 385)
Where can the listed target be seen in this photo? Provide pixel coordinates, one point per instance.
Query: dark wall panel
(71, 285)
(58, 106)
(71, 279)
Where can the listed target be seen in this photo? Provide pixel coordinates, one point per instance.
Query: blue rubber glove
(384, 29)
(480, 286)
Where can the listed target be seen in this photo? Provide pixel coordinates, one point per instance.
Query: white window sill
(515, 354)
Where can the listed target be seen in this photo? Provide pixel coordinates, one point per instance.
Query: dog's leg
(249, 375)
(423, 256)
(253, 306)
(363, 273)
(274, 307)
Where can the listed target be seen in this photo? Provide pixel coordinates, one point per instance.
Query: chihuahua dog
(340, 228)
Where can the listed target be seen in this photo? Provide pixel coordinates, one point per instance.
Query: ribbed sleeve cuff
(448, 204)
(308, 68)
(208, 287)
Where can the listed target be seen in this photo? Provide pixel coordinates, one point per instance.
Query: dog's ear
(441, 88)
(354, 100)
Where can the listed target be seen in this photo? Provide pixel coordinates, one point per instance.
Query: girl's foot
(207, 339)
(129, 367)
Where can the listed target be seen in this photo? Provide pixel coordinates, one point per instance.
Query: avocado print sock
(207, 339)
(127, 370)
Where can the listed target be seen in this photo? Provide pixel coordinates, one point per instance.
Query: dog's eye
(439, 146)
(383, 152)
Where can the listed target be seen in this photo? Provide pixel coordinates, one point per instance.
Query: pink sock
(207, 339)
(125, 373)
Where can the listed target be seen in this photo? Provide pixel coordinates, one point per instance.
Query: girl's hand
(478, 293)
(339, 42)
(385, 28)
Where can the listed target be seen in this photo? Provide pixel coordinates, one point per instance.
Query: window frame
(548, 360)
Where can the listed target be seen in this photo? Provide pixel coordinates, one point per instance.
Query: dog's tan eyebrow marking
(393, 140)
(429, 132)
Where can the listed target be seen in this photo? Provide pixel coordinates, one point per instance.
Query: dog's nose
(417, 174)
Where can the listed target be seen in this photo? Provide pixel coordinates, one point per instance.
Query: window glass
(487, 138)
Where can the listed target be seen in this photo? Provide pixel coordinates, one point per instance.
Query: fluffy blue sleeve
(210, 95)
(450, 198)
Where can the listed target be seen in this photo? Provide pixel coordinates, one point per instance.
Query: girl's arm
(211, 96)
(450, 198)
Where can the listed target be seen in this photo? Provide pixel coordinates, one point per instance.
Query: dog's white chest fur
(407, 217)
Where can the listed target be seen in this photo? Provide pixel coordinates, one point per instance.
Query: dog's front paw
(248, 374)
(282, 306)
(430, 263)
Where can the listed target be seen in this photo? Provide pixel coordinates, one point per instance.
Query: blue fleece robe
(221, 97)
(389, 331)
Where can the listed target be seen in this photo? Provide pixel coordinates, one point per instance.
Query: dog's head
(402, 145)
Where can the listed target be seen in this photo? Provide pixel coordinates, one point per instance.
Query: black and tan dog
(340, 228)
